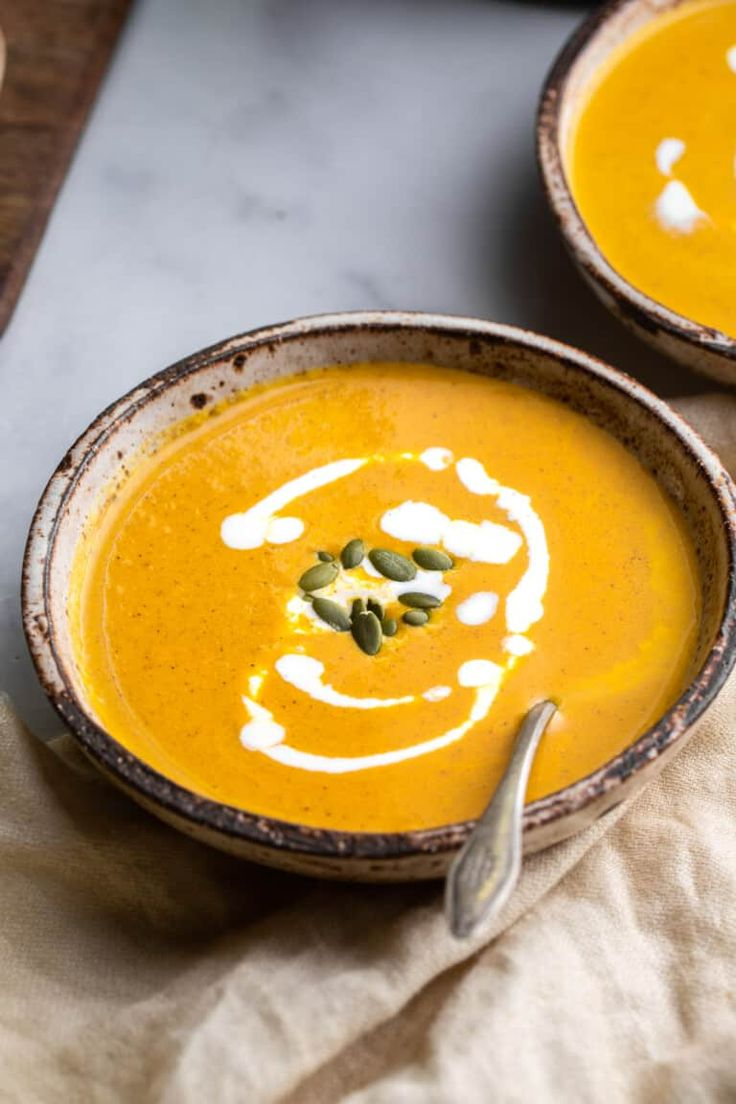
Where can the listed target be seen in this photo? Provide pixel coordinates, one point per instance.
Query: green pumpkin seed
(375, 607)
(392, 565)
(415, 617)
(358, 606)
(321, 575)
(417, 600)
(431, 559)
(389, 626)
(352, 554)
(367, 633)
(325, 557)
(334, 615)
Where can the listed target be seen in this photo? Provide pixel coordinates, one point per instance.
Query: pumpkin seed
(334, 615)
(358, 606)
(392, 565)
(325, 557)
(352, 553)
(367, 633)
(389, 626)
(431, 559)
(321, 575)
(415, 617)
(375, 607)
(417, 600)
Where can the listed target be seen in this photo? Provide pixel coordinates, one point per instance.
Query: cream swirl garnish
(675, 207)
(484, 542)
(305, 674)
(524, 603)
(478, 608)
(436, 459)
(336, 764)
(517, 645)
(259, 525)
(668, 152)
(261, 731)
(479, 672)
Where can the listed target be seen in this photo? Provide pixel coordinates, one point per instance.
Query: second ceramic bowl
(703, 349)
(645, 425)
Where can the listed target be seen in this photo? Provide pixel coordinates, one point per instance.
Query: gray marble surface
(253, 160)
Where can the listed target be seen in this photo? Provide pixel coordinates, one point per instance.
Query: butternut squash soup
(652, 162)
(333, 601)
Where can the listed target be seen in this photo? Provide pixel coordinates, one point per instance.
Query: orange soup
(651, 161)
(333, 601)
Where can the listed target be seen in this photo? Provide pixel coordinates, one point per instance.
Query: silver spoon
(487, 867)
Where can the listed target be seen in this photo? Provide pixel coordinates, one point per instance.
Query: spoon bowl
(487, 867)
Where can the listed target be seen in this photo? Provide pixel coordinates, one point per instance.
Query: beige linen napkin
(136, 965)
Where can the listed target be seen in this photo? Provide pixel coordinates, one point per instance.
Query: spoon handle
(487, 867)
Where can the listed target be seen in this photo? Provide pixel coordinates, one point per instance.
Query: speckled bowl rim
(649, 314)
(270, 832)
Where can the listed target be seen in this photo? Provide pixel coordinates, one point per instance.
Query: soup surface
(557, 567)
(651, 162)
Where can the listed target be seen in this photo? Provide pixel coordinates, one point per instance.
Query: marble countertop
(253, 160)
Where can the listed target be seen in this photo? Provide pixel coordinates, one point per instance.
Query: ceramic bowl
(697, 346)
(664, 443)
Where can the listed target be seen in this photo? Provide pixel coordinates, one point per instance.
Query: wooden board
(56, 54)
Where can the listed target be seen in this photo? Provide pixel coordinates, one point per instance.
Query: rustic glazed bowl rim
(270, 832)
(648, 313)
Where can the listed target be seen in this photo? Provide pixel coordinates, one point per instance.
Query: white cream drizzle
(668, 153)
(475, 478)
(283, 530)
(420, 522)
(328, 764)
(479, 672)
(415, 521)
(262, 731)
(485, 542)
(516, 645)
(305, 674)
(676, 209)
(437, 693)
(436, 459)
(255, 682)
(478, 608)
(256, 526)
(524, 603)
